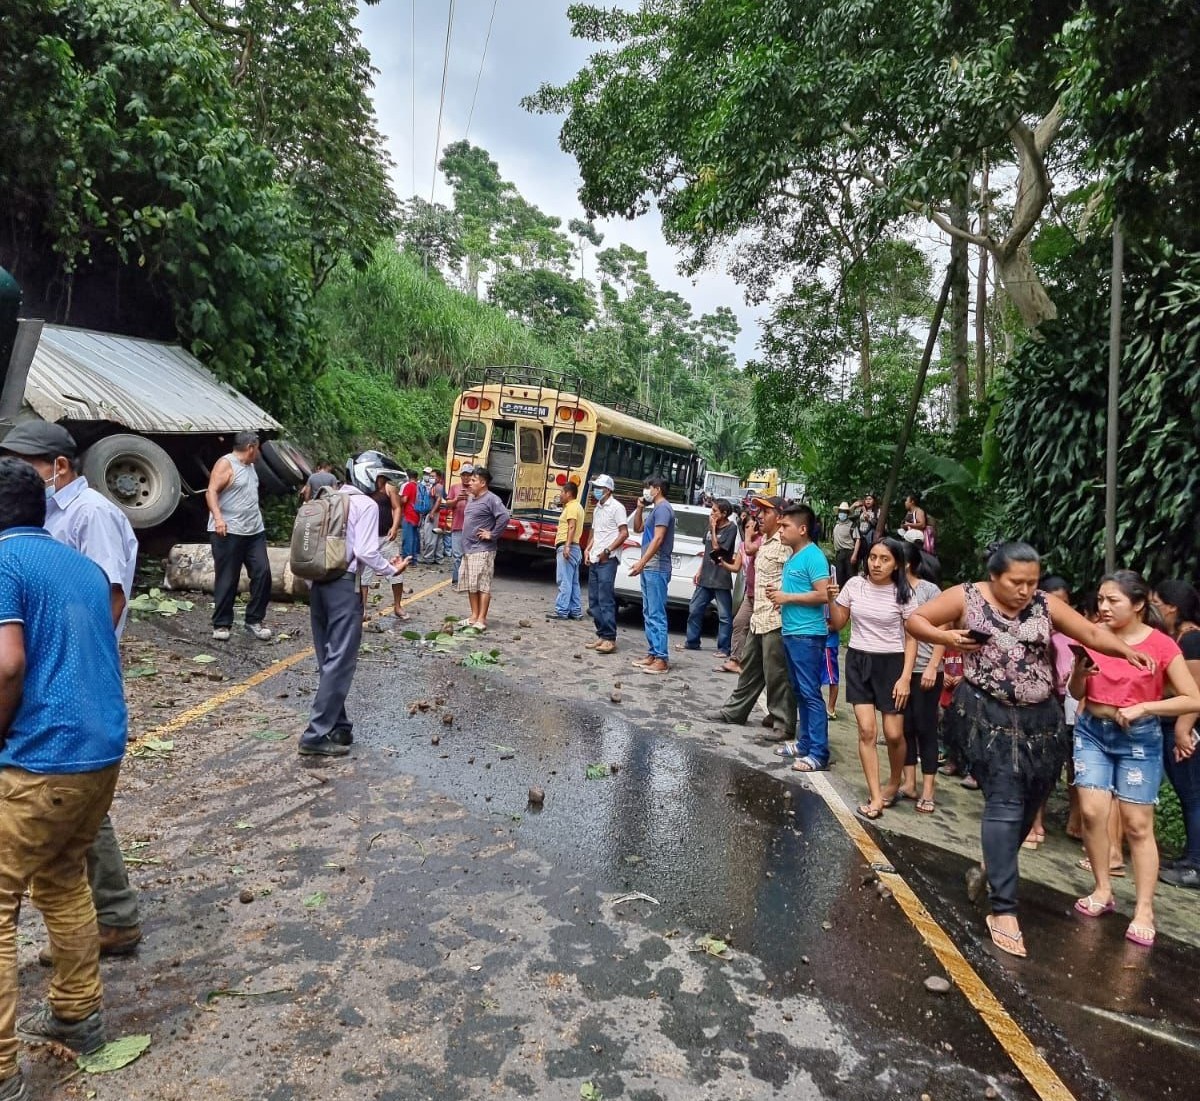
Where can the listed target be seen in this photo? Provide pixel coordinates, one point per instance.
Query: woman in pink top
(879, 662)
(1118, 742)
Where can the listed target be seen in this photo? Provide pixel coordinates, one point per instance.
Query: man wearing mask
(239, 538)
(610, 529)
(713, 581)
(457, 496)
(568, 604)
(654, 520)
(764, 660)
(845, 538)
(90, 523)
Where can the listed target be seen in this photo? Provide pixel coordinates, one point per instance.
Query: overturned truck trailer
(149, 418)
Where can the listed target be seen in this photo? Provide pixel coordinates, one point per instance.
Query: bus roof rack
(545, 378)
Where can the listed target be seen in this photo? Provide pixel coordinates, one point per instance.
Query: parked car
(691, 522)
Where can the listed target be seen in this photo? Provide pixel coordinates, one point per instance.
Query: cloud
(530, 44)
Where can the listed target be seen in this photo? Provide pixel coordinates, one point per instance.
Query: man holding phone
(714, 580)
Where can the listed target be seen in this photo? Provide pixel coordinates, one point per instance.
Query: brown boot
(606, 646)
(114, 941)
(656, 667)
(594, 644)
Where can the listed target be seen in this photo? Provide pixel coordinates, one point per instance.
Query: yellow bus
(533, 435)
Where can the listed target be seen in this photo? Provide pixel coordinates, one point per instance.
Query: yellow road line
(1011, 1037)
(211, 704)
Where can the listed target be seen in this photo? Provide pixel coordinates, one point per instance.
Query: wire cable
(437, 141)
(479, 75)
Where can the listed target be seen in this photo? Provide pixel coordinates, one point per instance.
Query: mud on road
(680, 918)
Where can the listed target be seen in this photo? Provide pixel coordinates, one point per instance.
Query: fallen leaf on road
(141, 671)
(152, 747)
(204, 659)
(243, 825)
(315, 899)
(113, 1055)
(270, 735)
(713, 946)
(598, 772)
(589, 1092)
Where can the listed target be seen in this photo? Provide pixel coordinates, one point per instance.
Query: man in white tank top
(239, 538)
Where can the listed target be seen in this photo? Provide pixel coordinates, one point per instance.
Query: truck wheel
(135, 474)
(268, 481)
(287, 463)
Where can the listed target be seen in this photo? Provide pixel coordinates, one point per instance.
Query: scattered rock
(616, 684)
(470, 760)
(938, 984)
(448, 718)
(577, 657)
(991, 1093)
(615, 696)
(524, 623)
(247, 895)
(827, 925)
(435, 740)
(615, 768)
(537, 796)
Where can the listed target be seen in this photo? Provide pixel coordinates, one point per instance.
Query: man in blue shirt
(654, 518)
(63, 725)
(82, 518)
(801, 600)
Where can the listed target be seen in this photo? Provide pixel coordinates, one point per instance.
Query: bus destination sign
(524, 409)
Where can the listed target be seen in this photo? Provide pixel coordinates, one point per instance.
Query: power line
(479, 75)
(437, 141)
(413, 68)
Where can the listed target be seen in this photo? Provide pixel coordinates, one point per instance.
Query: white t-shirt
(876, 617)
(608, 517)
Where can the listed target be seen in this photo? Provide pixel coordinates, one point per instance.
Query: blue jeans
(1126, 762)
(806, 658)
(654, 612)
(602, 599)
(1185, 779)
(410, 540)
(701, 599)
(569, 601)
(456, 552)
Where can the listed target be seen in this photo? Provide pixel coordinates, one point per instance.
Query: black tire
(286, 463)
(269, 482)
(137, 475)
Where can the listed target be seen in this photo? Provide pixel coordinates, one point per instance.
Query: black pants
(336, 613)
(230, 554)
(842, 570)
(921, 724)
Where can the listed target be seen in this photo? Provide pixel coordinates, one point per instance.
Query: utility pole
(1114, 400)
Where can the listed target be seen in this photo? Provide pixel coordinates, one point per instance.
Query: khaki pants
(47, 825)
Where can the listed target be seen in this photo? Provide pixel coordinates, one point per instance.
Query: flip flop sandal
(868, 812)
(1116, 872)
(1089, 907)
(725, 669)
(1140, 934)
(1012, 943)
(926, 806)
(807, 764)
(787, 750)
(897, 797)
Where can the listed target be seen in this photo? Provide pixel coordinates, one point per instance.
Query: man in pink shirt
(336, 614)
(458, 495)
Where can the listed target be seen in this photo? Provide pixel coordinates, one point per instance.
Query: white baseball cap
(603, 481)
(914, 536)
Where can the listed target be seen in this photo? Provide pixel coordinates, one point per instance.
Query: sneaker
(606, 646)
(43, 1027)
(115, 940)
(657, 667)
(13, 1088)
(342, 735)
(593, 644)
(1181, 876)
(263, 634)
(323, 746)
(221, 634)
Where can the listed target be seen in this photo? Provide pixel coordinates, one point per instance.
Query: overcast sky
(530, 44)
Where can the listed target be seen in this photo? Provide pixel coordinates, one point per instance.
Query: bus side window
(568, 449)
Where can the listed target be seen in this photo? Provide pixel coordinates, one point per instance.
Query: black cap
(35, 438)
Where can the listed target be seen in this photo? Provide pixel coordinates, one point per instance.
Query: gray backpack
(319, 550)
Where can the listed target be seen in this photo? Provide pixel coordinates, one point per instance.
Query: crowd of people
(1000, 682)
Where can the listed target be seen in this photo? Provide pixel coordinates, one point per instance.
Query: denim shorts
(1127, 763)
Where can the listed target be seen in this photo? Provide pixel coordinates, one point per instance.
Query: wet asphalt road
(416, 930)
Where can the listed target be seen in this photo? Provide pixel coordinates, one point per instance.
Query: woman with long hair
(1004, 711)
(1119, 742)
(1179, 605)
(879, 662)
(921, 714)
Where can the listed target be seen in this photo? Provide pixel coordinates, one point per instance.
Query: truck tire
(136, 475)
(268, 481)
(287, 463)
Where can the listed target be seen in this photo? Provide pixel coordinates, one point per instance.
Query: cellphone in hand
(1081, 653)
(976, 635)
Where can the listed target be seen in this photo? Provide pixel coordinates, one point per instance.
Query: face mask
(843, 516)
(49, 487)
(598, 494)
(648, 495)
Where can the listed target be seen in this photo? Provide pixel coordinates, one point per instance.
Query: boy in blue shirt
(801, 600)
(63, 726)
(829, 670)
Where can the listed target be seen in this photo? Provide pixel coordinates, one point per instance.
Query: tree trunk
(981, 293)
(1015, 269)
(864, 348)
(960, 294)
